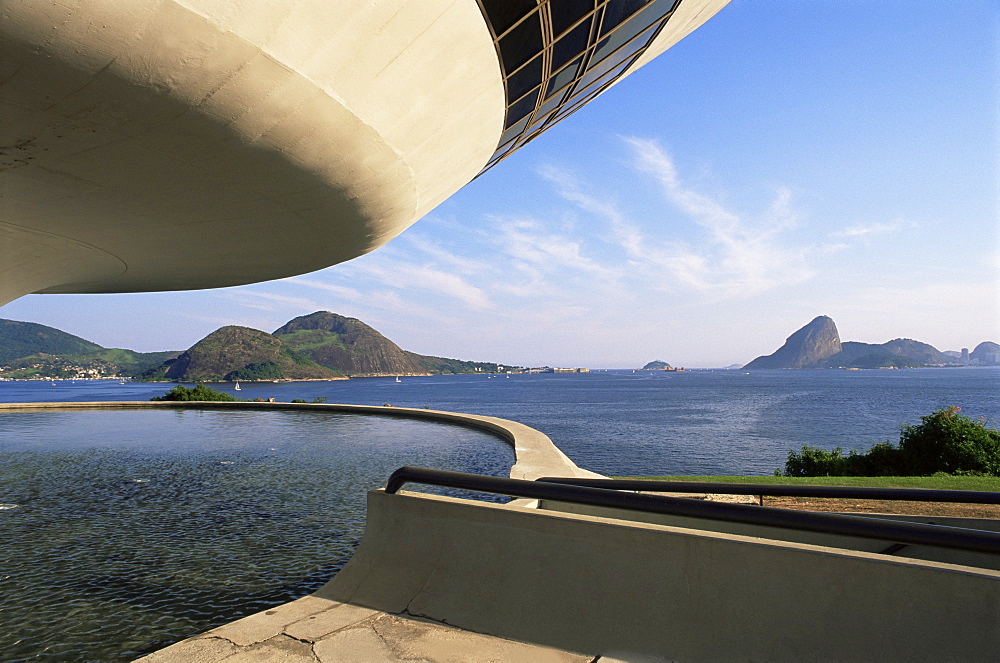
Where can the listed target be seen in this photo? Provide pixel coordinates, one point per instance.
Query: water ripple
(123, 542)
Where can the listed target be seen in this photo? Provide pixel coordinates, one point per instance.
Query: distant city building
(172, 145)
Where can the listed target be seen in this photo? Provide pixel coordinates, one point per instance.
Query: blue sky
(786, 160)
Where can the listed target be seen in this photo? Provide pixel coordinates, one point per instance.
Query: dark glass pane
(514, 131)
(569, 109)
(504, 13)
(531, 135)
(563, 78)
(656, 11)
(592, 83)
(567, 12)
(571, 45)
(521, 44)
(522, 107)
(616, 11)
(524, 79)
(610, 44)
(551, 104)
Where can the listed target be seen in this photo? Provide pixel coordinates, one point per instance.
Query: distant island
(818, 345)
(659, 366)
(318, 346)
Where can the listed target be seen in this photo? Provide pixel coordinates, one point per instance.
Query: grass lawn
(938, 482)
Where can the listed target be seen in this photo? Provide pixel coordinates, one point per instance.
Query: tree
(946, 441)
(197, 393)
(943, 441)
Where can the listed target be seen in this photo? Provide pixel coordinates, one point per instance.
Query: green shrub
(319, 400)
(947, 441)
(943, 442)
(197, 393)
(815, 462)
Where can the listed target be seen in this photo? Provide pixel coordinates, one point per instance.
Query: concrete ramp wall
(601, 586)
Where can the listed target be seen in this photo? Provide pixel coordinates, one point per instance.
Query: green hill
(30, 350)
(349, 345)
(239, 353)
(21, 339)
(321, 345)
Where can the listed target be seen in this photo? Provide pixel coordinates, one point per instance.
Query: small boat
(397, 379)
(237, 387)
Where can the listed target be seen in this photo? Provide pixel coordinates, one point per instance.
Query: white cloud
(731, 256)
(438, 253)
(350, 294)
(736, 256)
(871, 229)
(401, 275)
(525, 241)
(624, 233)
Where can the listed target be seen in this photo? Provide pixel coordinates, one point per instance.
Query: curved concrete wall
(178, 144)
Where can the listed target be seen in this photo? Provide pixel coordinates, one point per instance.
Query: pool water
(126, 531)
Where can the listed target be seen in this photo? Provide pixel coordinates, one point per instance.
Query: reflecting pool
(127, 530)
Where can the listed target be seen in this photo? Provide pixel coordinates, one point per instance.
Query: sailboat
(237, 387)
(397, 379)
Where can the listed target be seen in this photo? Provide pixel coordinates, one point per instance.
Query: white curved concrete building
(179, 144)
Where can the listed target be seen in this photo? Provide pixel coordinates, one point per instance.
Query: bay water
(124, 531)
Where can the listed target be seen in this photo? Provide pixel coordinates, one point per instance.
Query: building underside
(180, 144)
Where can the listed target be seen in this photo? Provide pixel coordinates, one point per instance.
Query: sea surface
(125, 531)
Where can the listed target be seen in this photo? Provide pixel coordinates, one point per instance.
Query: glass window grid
(535, 112)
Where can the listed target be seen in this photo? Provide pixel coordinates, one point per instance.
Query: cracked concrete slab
(279, 649)
(335, 617)
(419, 639)
(267, 624)
(314, 630)
(355, 645)
(202, 649)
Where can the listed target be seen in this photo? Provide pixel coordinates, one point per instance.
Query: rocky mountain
(347, 344)
(805, 348)
(818, 345)
(240, 353)
(900, 352)
(986, 353)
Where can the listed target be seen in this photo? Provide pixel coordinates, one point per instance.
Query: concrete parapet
(979, 560)
(602, 586)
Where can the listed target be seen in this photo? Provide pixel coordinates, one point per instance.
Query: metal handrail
(826, 523)
(784, 490)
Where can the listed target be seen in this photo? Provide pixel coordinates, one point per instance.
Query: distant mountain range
(818, 345)
(318, 346)
(324, 346)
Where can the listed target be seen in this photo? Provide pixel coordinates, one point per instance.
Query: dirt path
(886, 506)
